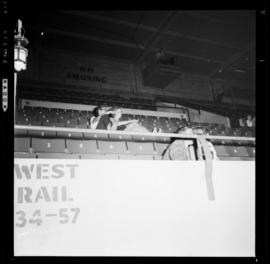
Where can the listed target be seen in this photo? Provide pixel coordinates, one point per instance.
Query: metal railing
(148, 135)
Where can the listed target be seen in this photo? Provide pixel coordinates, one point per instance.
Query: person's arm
(116, 124)
(112, 126)
(107, 113)
(121, 123)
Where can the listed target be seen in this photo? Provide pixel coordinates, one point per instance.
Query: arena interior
(168, 70)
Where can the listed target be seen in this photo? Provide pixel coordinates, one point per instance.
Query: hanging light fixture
(20, 52)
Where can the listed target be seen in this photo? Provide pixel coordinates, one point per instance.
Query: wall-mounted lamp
(20, 52)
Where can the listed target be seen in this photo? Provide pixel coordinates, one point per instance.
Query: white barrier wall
(132, 208)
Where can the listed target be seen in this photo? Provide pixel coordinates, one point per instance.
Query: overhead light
(20, 52)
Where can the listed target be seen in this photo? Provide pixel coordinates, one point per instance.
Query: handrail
(111, 132)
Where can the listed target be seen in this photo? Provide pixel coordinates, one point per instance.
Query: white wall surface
(132, 208)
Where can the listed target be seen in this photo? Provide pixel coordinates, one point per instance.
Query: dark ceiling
(217, 44)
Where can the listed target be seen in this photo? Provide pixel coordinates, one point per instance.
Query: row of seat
(110, 147)
(38, 116)
(44, 155)
(166, 126)
(68, 96)
(166, 129)
(24, 144)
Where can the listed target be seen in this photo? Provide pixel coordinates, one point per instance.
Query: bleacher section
(75, 144)
(79, 97)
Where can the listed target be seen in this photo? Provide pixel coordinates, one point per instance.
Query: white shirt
(93, 125)
(249, 123)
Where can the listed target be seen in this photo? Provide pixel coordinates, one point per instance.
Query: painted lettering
(45, 194)
(59, 170)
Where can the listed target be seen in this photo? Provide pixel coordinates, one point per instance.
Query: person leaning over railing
(112, 121)
(98, 112)
(179, 148)
(183, 149)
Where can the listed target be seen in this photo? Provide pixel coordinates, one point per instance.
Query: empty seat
(22, 121)
(222, 151)
(48, 145)
(247, 132)
(50, 121)
(75, 114)
(72, 125)
(239, 152)
(83, 126)
(63, 118)
(237, 132)
(251, 151)
(83, 120)
(109, 147)
(81, 146)
(34, 123)
(22, 144)
(42, 117)
(60, 124)
(140, 148)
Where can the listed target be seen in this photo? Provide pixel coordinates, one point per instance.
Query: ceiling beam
(167, 22)
(209, 18)
(116, 42)
(148, 28)
(232, 59)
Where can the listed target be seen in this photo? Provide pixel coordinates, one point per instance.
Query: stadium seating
(82, 146)
(112, 147)
(140, 148)
(48, 145)
(62, 144)
(22, 144)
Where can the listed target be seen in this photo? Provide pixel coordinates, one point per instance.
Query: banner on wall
(132, 208)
